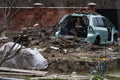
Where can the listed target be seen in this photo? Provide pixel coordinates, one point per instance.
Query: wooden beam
(16, 74)
(31, 72)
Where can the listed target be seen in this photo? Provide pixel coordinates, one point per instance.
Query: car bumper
(90, 38)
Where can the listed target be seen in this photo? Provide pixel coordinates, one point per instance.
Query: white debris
(33, 57)
(35, 49)
(9, 45)
(4, 38)
(65, 50)
(43, 49)
(38, 61)
(53, 47)
(110, 49)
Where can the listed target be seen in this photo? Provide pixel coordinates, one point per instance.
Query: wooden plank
(16, 74)
(34, 72)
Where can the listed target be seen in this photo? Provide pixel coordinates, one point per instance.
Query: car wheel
(97, 41)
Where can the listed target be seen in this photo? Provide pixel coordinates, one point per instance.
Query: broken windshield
(73, 25)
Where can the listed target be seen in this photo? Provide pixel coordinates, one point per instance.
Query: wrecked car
(88, 27)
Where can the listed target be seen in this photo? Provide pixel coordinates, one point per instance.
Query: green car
(89, 27)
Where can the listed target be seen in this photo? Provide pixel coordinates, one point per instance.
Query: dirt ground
(77, 57)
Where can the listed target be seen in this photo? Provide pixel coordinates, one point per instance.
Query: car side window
(98, 22)
(95, 22)
(106, 22)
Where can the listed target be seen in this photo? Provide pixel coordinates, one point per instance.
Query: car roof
(86, 14)
(81, 15)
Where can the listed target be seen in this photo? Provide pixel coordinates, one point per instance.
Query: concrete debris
(62, 54)
(44, 38)
(4, 40)
(110, 49)
(65, 50)
(34, 42)
(43, 49)
(55, 48)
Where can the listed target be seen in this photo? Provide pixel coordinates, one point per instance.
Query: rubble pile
(65, 54)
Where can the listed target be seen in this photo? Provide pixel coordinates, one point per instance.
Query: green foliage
(97, 77)
(112, 78)
(52, 79)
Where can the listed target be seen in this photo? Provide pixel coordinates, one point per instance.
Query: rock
(4, 40)
(34, 42)
(78, 49)
(63, 67)
(55, 48)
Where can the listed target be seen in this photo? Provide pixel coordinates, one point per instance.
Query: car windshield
(74, 21)
(74, 25)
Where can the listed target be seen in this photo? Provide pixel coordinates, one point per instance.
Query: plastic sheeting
(33, 57)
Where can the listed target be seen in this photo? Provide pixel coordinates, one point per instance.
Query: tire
(97, 41)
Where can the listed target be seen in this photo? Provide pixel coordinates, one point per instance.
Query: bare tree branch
(10, 54)
(13, 55)
(9, 10)
(11, 7)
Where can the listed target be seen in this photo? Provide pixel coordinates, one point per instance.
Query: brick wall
(27, 17)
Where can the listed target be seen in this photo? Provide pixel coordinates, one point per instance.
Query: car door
(109, 28)
(100, 29)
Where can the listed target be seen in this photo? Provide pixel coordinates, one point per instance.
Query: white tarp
(9, 45)
(33, 57)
